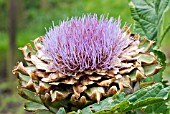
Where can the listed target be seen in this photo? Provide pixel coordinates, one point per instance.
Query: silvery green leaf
(158, 108)
(148, 16)
(61, 111)
(122, 103)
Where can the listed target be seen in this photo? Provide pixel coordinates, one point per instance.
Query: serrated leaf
(161, 57)
(153, 94)
(87, 110)
(104, 106)
(61, 111)
(157, 90)
(119, 103)
(148, 16)
(43, 112)
(157, 108)
(33, 106)
(121, 106)
(78, 112)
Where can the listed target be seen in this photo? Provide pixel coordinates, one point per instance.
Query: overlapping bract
(85, 66)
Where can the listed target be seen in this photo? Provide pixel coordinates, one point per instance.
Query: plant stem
(164, 34)
(166, 31)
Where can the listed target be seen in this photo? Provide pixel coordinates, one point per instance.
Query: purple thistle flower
(84, 60)
(85, 43)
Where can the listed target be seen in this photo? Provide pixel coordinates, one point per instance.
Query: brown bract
(86, 87)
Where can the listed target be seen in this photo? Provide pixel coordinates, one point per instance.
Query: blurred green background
(32, 16)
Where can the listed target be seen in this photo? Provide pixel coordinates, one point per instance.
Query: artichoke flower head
(84, 60)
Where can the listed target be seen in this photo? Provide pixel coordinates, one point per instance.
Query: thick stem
(165, 32)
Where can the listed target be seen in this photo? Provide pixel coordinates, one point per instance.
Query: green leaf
(107, 104)
(61, 111)
(87, 110)
(148, 16)
(147, 96)
(122, 103)
(43, 112)
(161, 57)
(165, 32)
(33, 106)
(157, 108)
(78, 112)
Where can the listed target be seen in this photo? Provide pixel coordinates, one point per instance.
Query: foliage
(152, 96)
(42, 89)
(149, 15)
(153, 92)
(122, 103)
(32, 18)
(28, 33)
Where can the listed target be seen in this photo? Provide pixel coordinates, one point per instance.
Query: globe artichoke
(82, 61)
